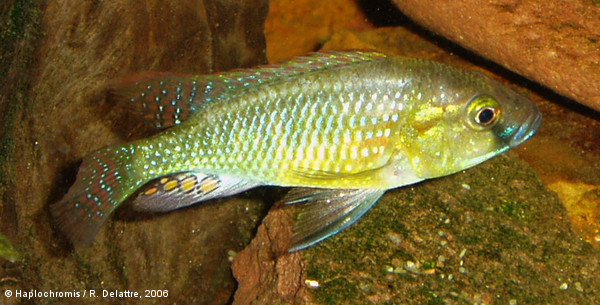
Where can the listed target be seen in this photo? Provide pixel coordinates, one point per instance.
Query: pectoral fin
(184, 189)
(325, 212)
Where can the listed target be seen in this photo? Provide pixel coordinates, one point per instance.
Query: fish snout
(527, 129)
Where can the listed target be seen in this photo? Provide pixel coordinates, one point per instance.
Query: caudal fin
(100, 187)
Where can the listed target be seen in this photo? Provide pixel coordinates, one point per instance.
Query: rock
(489, 234)
(554, 43)
(57, 61)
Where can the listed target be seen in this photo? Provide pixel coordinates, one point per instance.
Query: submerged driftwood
(57, 60)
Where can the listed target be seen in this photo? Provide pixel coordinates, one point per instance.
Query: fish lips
(526, 130)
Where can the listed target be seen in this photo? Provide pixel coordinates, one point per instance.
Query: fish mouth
(526, 130)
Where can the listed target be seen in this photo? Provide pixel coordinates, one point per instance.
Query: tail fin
(100, 187)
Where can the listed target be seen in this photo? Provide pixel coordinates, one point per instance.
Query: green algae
(7, 250)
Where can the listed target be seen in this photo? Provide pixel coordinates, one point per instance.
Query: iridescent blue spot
(507, 132)
(164, 91)
(149, 87)
(77, 205)
(157, 99)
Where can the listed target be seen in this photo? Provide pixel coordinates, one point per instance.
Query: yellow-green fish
(339, 127)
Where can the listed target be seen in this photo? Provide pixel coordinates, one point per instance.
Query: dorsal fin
(167, 99)
(311, 62)
(160, 99)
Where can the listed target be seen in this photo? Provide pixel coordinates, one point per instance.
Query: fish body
(342, 127)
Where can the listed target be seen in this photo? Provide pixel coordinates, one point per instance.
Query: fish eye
(483, 111)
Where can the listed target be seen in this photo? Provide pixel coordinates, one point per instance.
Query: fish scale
(309, 111)
(344, 126)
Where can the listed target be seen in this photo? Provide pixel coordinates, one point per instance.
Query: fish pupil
(486, 116)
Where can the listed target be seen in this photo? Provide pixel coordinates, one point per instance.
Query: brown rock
(57, 60)
(556, 43)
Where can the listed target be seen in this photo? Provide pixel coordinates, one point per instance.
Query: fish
(338, 127)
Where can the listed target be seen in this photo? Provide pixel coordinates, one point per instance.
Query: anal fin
(184, 189)
(325, 212)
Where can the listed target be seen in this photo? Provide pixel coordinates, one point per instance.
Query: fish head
(472, 120)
